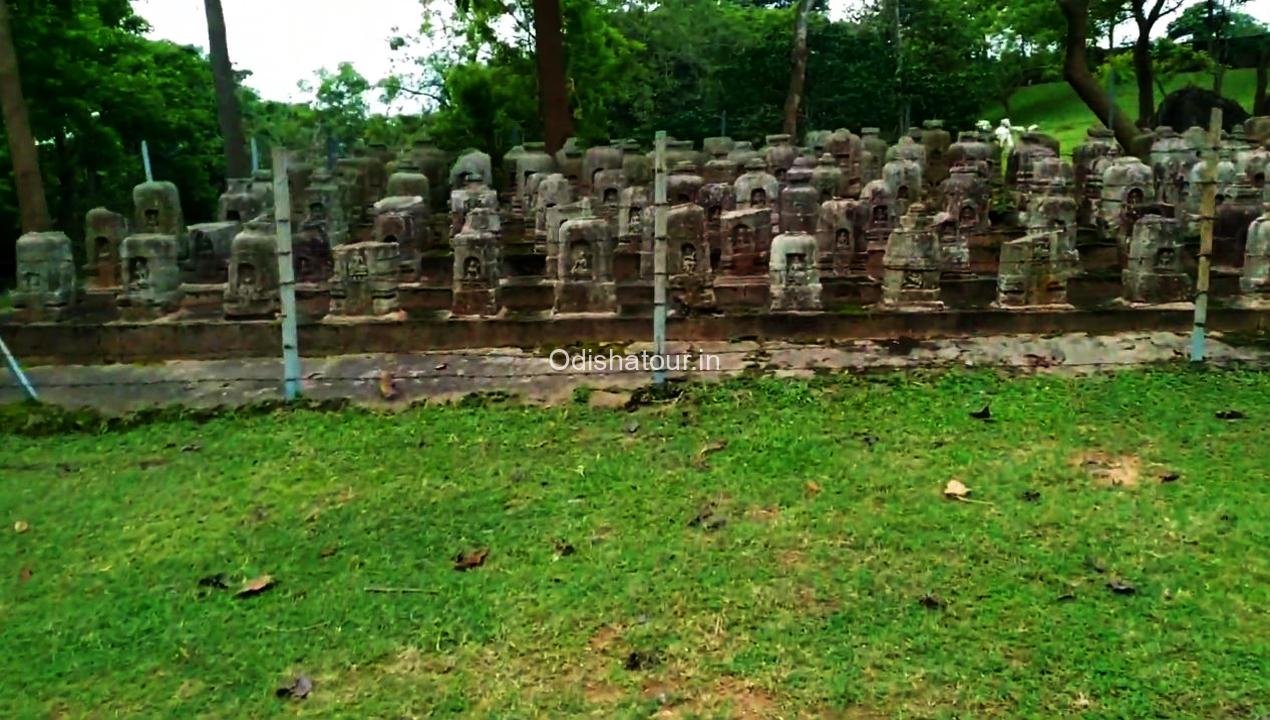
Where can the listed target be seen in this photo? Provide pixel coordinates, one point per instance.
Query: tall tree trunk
(1214, 44)
(1076, 73)
(1143, 63)
(553, 95)
(237, 160)
(797, 67)
(26, 159)
(1144, 70)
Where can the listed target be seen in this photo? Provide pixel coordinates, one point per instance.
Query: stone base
(635, 298)
(421, 300)
(795, 297)
(99, 304)
(586, 297)
(202, 300)
(527, 296)
(737, 292)
(43, 313)
(344, 308)
(1038, 307)
(1155, 289)
(1253, 301)
(479, 302)
(145, 313)
(913, 305)
(849, 291)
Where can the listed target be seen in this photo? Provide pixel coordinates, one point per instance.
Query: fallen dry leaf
(812, 487)
(956, 490)
(1121, 587)
(299, 688)
(255, 586)
(468, 561)
(714, 446)
(24, 574)
(20, 527)
(387, 387)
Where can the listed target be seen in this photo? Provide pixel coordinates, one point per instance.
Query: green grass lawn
(1057, 110)
(826, 575)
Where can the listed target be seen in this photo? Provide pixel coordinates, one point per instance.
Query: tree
(17, 124)
(340, 103)
(553, 95)
(798, 67)
(228, 113)
(1076, 72)
(1212, 23)
(1145, 14)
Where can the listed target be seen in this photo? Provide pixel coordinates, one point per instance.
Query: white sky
(283, 42)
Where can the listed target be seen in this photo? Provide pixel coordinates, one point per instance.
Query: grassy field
(758, 549)
(1057, 110)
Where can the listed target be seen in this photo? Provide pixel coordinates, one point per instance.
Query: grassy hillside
(1057, 110)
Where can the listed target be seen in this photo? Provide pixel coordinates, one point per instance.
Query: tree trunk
(1214, 44)
(237, 160)
(26, 159)
(553, 95)
(1144, 69)
(797, 67)
(1076, 73)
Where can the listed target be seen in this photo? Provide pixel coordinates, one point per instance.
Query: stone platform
(396, 380)
(122, 342)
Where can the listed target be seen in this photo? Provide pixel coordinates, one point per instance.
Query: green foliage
(804, 599)
(1193, 23)
(705, 67)
(95, 88)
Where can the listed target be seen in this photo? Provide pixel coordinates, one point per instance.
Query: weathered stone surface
(779, 154)
(840, 245)
(1127, 184)
(477, 265)
(1154, 271)
(793, 277)
(244, 200)
(937, 142)
(472, 162)
(103, 232)
(799, 202)
(365, 281)
(829, 179)
(1034, 270)
(406, 221)
(585, 268)
(1254, 280)
(757, 187)
(747, 239)
(911, 264)
(157, 211)
(151, 273)
(252, 289)
(46, 274)
(210, 247)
